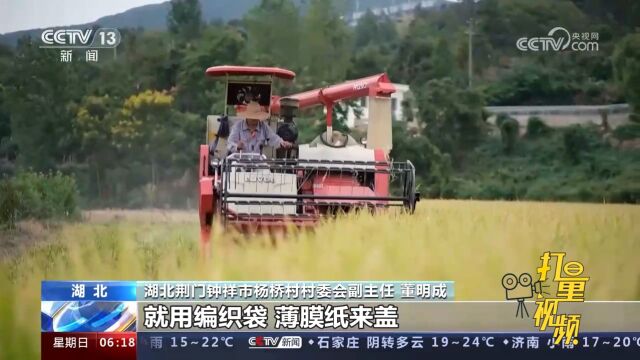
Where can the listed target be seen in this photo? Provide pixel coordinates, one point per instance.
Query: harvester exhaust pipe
(379, 127)
(329, 136)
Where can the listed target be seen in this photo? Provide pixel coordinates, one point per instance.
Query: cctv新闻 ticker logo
(275, 342)
(67, 37)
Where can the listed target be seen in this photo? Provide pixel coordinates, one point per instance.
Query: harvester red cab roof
(233, 70)
(247, 83)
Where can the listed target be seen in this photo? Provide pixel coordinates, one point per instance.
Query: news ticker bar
(445, 316)
(449, 316)
(291, 345)
(247, 290)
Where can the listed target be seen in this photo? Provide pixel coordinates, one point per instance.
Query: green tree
(424, 54)
(433, 168)
(146, 127)
(369, 60)
(452, 116)
(144, 60)
(504, 21)
(622, 12)
(196, 93)
(412, 64)
(576, 142)
(372, 29)
(509, 132)
(152, 62)
(374, 46)
(443, 60)
(151, 135)
(39, 105)
(537, 128)
(626, 62)
(533, 84)
(273, 31)
(95, 117)
(325, 49)
(7, 148)
(185, 19)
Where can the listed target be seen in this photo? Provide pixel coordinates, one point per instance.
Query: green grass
(472, 243)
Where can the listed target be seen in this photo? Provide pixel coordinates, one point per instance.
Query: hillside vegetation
(127, 128)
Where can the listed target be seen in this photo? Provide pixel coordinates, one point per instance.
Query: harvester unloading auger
(274, 188)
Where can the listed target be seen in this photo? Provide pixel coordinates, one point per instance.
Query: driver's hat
(253, 110)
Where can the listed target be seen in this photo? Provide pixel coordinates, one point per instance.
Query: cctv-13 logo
(570, 288)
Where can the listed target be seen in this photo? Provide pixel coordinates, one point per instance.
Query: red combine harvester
(276, 187)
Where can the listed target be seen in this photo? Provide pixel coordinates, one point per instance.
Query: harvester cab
(243, 85)
(273, 188)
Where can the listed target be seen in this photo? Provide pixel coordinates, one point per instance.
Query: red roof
(250, 71)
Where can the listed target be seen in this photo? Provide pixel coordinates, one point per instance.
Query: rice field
(472, 243)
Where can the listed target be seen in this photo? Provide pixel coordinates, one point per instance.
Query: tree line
(127, 128)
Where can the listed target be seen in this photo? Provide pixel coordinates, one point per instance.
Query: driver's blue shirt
(252, 140)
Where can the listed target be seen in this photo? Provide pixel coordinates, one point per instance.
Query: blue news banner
(287, 320)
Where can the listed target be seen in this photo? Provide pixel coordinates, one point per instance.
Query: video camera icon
(520, 288)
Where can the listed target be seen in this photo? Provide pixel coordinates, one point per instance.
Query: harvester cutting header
(253, 175)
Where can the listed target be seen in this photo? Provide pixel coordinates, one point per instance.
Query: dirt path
(28, 233)
(145, 215)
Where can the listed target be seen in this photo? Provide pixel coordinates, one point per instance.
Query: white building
(358, 117)
(396, 8)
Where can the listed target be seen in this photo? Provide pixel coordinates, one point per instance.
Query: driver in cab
(252, 133)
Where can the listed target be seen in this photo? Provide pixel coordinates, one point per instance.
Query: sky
(18, 15)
